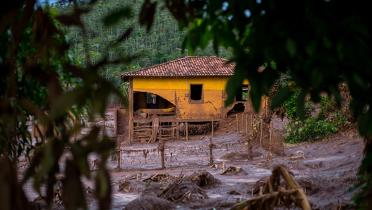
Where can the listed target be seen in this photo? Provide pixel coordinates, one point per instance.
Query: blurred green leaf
(73, 190)
(300, 109)
(117, 15)
(291, 47)
(282, 95)
(147, 14)
(103, 189)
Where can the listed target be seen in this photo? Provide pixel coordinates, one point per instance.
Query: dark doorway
(242, 93)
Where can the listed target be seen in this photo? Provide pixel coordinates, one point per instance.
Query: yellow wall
(211, 83)
(176, 90)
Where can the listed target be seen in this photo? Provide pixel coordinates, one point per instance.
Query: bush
(290, 106)
(309, 129)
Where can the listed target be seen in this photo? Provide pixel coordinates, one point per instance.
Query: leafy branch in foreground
(40, 83)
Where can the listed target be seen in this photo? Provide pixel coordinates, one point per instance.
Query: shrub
(309, 129)
(290, 106)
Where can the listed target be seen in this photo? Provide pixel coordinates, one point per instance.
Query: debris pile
(189, 188)
(183, 191)
(160, 178)
(149, 203)
(125, 186)
(198, 128)
(234, 170)
(202, 179)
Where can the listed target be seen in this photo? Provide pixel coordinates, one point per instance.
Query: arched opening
(150, 103)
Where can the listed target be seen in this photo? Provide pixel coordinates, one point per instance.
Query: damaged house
(165, 99)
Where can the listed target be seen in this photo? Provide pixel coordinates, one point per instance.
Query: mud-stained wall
(177, 91)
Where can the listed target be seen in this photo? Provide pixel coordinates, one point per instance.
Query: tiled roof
(193, 66)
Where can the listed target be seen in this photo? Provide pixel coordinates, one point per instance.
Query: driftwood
(273, 194)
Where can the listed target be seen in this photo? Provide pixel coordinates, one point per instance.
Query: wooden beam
(130, 110)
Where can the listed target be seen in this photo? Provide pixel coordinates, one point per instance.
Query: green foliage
(329, 120)
(309, 129)
(291, 106)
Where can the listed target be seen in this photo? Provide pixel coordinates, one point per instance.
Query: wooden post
(246, 124)
(187, 131)
(177, 130)
(212, 128)
(237, 123)
(130, 110)
(242, 122)
(253, 119)
(161, 149)
(270, 135)
(211, 161)
(261, 125)
(119, 158)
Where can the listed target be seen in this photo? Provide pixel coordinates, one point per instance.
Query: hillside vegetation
(161, 43)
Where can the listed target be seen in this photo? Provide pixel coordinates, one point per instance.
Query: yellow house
(190, 89)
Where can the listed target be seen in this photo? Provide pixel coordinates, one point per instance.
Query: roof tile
(186, 66)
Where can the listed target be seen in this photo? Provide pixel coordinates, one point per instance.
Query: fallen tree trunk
(273, 194)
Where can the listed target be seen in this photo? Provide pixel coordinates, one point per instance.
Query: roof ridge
(187, 59)
(172, 61)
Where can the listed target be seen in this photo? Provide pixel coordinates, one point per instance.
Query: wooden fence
(259, 132)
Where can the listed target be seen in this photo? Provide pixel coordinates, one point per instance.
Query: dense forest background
(163, 42)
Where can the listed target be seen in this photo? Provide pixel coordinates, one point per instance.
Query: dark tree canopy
(41, 83)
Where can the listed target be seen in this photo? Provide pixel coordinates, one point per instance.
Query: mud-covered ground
(327, 169)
